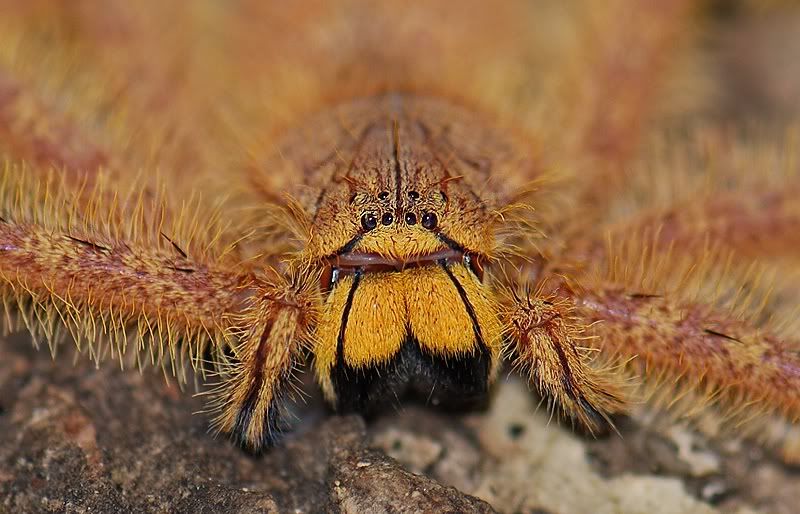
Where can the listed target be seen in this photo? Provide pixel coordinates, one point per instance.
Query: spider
(395, 215)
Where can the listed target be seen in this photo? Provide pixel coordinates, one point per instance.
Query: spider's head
(406, 302)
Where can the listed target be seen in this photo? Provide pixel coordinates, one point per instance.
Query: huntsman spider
(403, 207)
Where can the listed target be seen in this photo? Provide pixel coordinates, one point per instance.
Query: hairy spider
(387, 216)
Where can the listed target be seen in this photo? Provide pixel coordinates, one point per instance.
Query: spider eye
(369, 221)
(429, 220)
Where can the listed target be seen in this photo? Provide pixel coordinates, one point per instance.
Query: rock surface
(78, 439)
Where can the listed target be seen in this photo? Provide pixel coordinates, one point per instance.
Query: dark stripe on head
(450, 243)
(359, 144)
(350, 245)
(398, 172)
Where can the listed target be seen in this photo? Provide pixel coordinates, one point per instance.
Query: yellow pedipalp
(433, 297)
(376, 326)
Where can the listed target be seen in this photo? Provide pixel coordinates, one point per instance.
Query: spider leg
(70, 271)
(706, 334)
(696, 359)
(627, 50)
(63, 144)
(547, 341)
(113, 278)
(614, 85)
(273, 334)
(736, 221)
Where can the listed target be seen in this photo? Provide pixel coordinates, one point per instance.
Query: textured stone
(78, 439)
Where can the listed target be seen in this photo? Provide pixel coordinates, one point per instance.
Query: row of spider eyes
(369, 220)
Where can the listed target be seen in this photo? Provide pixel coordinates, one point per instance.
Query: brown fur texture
(293, 119)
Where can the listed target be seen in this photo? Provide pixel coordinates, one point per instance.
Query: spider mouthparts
(361, 262)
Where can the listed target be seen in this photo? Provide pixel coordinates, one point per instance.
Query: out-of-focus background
(74, 438)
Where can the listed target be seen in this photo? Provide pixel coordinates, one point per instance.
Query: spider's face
(406, 305)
